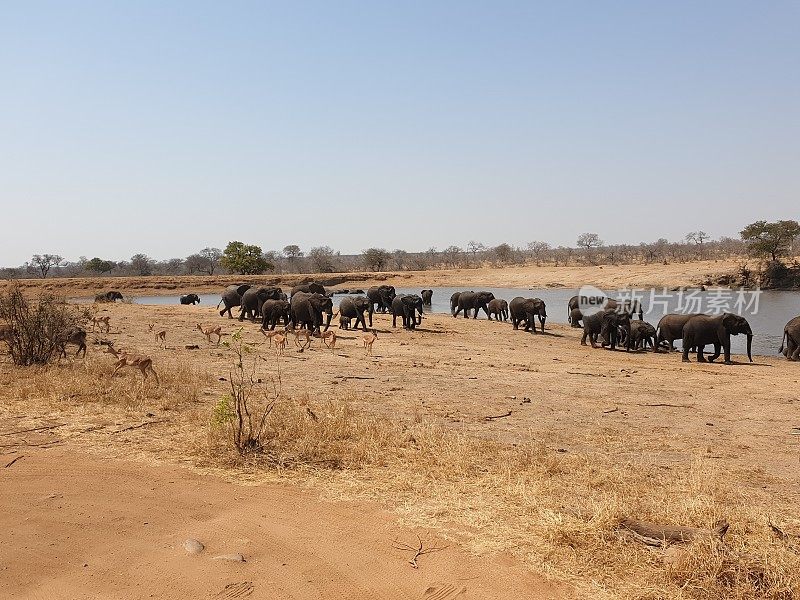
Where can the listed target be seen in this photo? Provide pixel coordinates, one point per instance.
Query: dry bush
(36, 324)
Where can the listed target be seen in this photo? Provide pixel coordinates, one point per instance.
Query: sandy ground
(644, 410)
(605, 276)
(75, 526)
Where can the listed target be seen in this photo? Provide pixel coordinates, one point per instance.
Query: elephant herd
(522, 311)
(615, 326)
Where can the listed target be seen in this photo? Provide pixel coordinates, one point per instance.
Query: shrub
(35, 325)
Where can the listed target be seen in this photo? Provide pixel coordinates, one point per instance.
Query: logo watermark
(654, 301)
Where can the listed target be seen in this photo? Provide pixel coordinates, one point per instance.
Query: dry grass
(557, 511)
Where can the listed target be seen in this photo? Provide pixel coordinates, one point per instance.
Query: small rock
(230, 557)
(193, 546)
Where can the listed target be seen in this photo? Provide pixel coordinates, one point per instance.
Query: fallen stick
(42, 428)
(493, 417)
(653, 534)
(667, 404)
(587, 374)
(15, 460)
(145, 424)
(610, 410)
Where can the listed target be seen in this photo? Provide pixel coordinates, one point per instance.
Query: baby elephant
(642, 333)
(190, 299)
(499, 308)
(575, 317)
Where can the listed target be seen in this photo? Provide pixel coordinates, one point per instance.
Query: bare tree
(322, 259)
(589, 241)
(42, 263)
(504, 253)
(375, 259)
(452, 255)
(211, 256)
(538, 250)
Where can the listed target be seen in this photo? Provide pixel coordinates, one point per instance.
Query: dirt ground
(647, 414)
(689, 274)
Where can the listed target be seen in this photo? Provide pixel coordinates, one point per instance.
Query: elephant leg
(726, 345)
(715, 356)
(795, 354)
(700, 357)
(515, 324)
(394, 320)
(583, 338)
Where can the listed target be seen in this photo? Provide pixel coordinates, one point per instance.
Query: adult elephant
(407, 306)
(629, 306)
(791, 340)
(273, 311)
(354, 307)
(427, 297)
(670, 328)
(382, 296)
(525, 309)
(476, 301)
(499, 308)
(111, 296)
(232, 297)
(575, 317)
(454, 302)
(190, 299)
(572, 304)
(613, 327)
(717, 330)
(307, 310)
(253, 298)
(312, 287)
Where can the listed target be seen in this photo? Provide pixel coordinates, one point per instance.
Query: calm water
(774, 309)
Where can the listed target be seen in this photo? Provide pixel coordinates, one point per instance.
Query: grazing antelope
(161, 337)
(127, 359)
(329, 338)
(301, 333)
(102, 322)
(210, 330)
(368, 340)
(271, 333)
(75, 336)
(280, 342)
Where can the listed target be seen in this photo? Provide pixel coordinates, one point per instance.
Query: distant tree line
(772, 243)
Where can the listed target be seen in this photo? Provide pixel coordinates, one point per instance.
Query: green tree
(100, 266)
(244, 259)
(770, 239)
(375, 259)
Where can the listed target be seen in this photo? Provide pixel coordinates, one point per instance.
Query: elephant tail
(220, 302)
(783, 342)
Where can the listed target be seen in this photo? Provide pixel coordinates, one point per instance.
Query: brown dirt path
(76, 526)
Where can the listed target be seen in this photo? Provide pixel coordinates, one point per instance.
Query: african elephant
(572, 304)
(112, 296)
(791, 339)
(717, 330)
(628, 306)
(427, 297)
(383, 296)
(273, 311)
(575, 317)
(307, 310)
(641, 334)
(253, 298)
(615, 328)
(670, 328)
(499, 308)
(312, 287)
(190, 299)
(454, 302)
(232, 297)
(525, 309)
(354, 307)
(405, 306)
(468, 301)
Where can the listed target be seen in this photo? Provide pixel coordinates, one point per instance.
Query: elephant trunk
(328, 321)
(750, 346)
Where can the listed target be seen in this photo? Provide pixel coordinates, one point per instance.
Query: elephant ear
(730, 320)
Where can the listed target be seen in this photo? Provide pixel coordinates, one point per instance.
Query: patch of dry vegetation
(559, 511)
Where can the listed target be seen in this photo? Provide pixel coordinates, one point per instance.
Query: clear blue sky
(165, 127)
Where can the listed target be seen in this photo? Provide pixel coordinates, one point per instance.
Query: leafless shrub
(36, 326)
